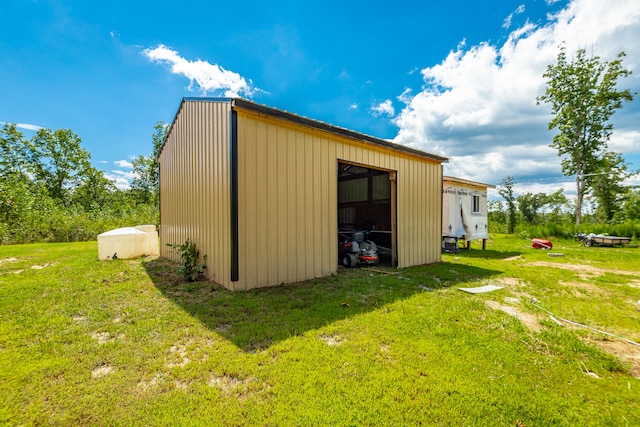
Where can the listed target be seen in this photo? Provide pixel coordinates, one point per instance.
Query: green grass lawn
(85, 342)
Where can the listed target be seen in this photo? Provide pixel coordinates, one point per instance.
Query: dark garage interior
(365, 204)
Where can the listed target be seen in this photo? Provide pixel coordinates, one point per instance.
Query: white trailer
(464, 212)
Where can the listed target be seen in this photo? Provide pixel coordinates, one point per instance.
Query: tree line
(547, 215)
(50, 192)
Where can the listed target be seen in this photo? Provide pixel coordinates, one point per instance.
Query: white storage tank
(128, 242)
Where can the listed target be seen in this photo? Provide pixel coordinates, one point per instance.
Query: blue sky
(457, 79)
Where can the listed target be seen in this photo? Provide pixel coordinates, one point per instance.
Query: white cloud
(120, 178)
(353, 106)
(25, 126)
(207, 77)
(507, 21)
(385, 107)
(123, 164)
(478, 106)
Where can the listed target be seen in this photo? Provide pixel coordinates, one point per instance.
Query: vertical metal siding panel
(225, 196)
(242, 203)
(214, 269)
(260, 246)
(194, 184)
(316, 206)
(311, 179)
(425, 215)
(409, 225)
(435, 227)
(243, 200)
(326, 167)
(401, 210)
(221, 221)
(273, 215)
(329, 150)
(332, 205)
(302, 206)
(208, 240)
(209, 156)
(197, 189)
(404, 251)
(171, 214)
(419, 185)
(250, 211)
(437, 212)
(281, 235)
(292, 229)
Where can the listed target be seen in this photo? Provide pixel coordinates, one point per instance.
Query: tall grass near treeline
(57, 224)
(566, 231)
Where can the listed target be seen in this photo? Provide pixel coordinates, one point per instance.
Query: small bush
(189, 268)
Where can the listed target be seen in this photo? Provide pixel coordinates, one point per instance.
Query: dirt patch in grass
(624, 351)
(179, 353)
(581, 268)
(147, 385)
(514, 285)
(8, 260)
(509, 282)
(332, 340)
(102, 371)
(584, 289)
(235, 385)
(634, 283)
(40, 267)
(104, 337)
(528, 320)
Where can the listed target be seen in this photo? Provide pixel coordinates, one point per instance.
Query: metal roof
(466, 181)
(285, 115)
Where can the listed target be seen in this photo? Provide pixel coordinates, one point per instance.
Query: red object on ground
(541, 244)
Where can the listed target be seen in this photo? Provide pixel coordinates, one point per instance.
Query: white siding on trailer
(460, 195)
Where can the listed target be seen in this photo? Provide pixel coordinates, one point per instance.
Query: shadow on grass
(486, 254)
(253, 320)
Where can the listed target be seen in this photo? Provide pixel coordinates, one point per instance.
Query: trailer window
(475, 204)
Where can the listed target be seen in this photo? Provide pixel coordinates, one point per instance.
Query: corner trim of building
(233, 170)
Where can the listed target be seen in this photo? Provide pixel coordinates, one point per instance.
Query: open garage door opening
(366, 212)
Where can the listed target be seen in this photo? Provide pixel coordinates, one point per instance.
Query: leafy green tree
(145, 184)
(496, 216)
(556, 201)
(529, 204)
(583, 97)
(505, 189)
(95, 191)
(59, 162)
(13, 151)
(632, 205)
(607, 185)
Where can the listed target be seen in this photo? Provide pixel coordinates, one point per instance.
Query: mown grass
(84, 342)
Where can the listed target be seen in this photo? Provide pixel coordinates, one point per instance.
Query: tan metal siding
(287, 195)
(194, 185)
(288, 200)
